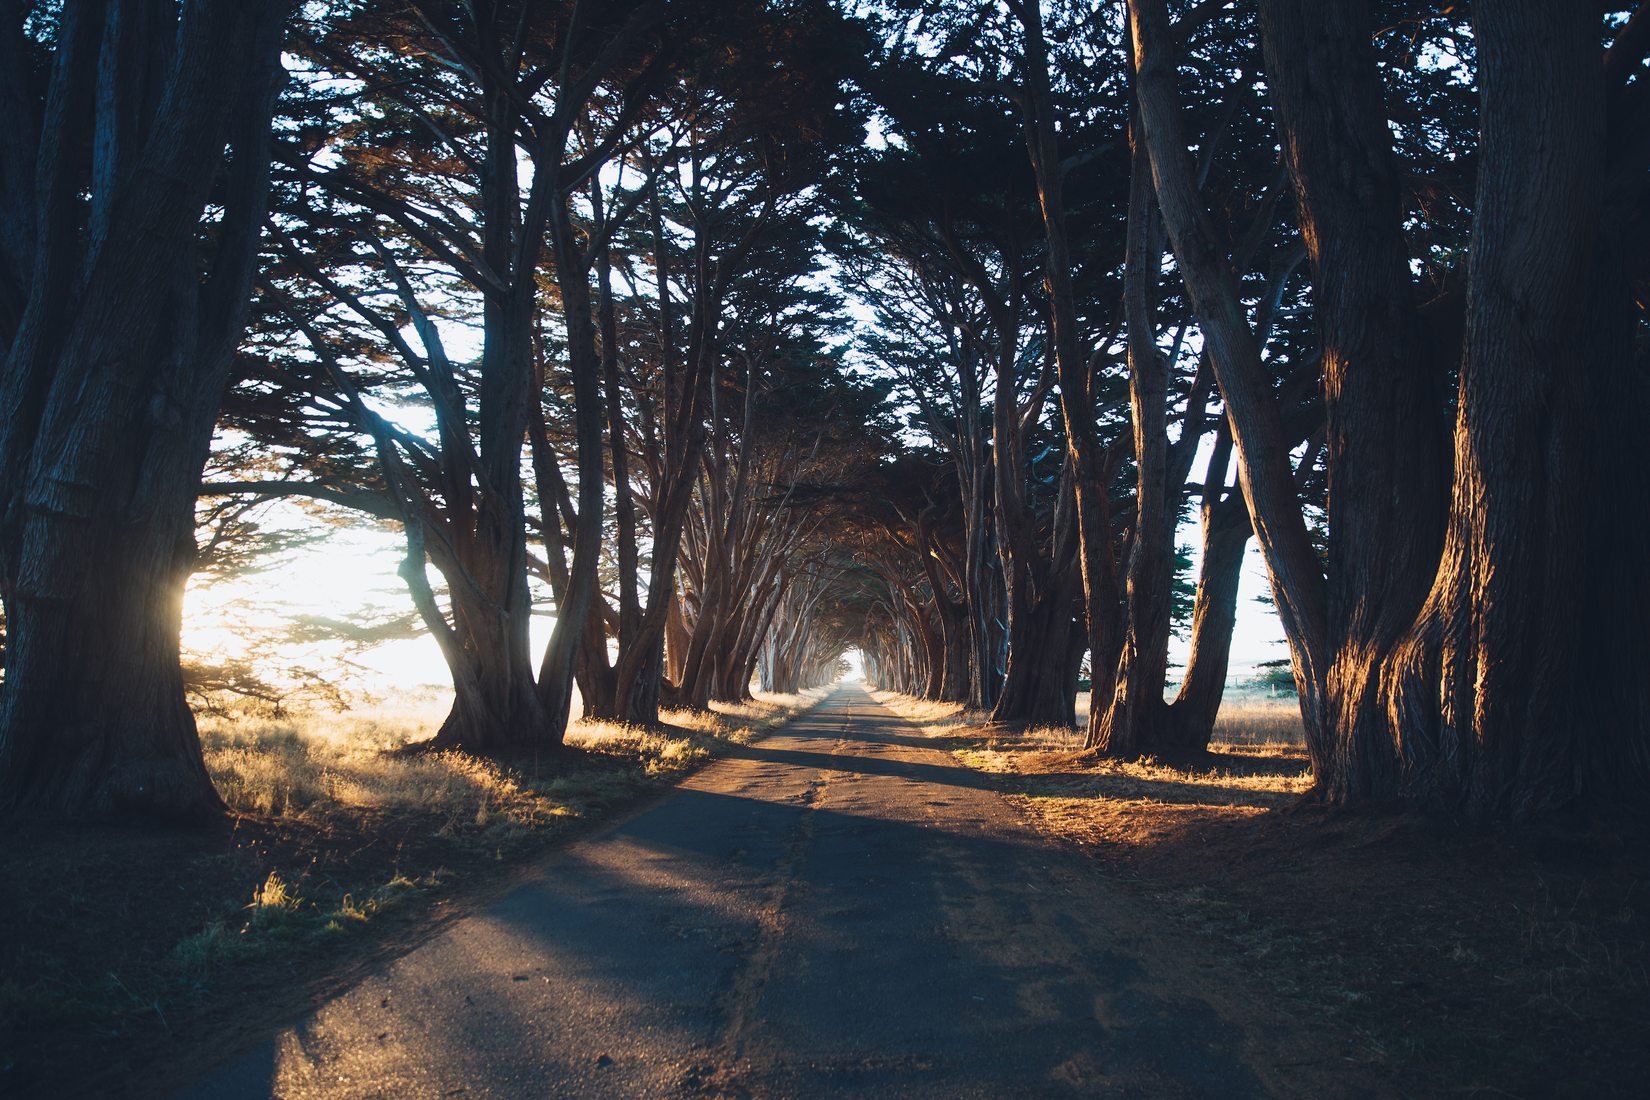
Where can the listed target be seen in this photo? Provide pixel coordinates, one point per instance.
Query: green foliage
(1183, 593)
(1276, 677)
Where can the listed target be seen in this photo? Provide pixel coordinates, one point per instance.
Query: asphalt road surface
(838, 910)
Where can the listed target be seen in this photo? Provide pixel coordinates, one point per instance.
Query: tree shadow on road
(776, 946)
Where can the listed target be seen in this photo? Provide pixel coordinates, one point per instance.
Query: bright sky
(1258, 633)
(349, 576)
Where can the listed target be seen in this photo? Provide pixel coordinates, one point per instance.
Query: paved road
(838, 910)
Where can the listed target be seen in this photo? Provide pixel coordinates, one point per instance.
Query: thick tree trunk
(1386, 454)
(1521, 689)
(638, 701)
(94, 722)
(753, 618)
(1097, 565)
(642, 664)
(1040, 572)
(598, 686)
(495, 701)
(955, 680)
(675, 642)
(1040, 688)
(933, 644)
(495, 707)
(951, 681)
(112, 383)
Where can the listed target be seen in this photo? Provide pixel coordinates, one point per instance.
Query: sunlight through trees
(757, 342)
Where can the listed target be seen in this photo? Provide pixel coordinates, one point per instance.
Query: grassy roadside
(126, 955)
(1450, 961)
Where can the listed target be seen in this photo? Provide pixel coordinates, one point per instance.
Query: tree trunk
(659, 646)
(1521, 689)
(598, 686)
(1040, 688)
(112, 383)
(638, 701)
(1190, 722)
(986, 678)
(1129, 722)
(933, 649)
(1383, 394)
(584, 365)
(1097, 565)
(704, 640)
(954, 682)
(675, 642)
(94, 721)
(952, 669)
(1263, 447)
(495, 702)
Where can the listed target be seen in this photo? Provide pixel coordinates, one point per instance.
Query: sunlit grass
(1244, 720)
(1255, 757)
(934, 719)
(313, 765)
(659, 750)
(767, 711)
(355, 775)
(1259, 720)
(274, 902)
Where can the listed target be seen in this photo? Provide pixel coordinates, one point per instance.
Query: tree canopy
(740, 335)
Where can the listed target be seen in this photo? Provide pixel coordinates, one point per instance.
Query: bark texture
(113, 376)
(1513, 696)
(1385, 435)
(1097, 563)
(1128, 721)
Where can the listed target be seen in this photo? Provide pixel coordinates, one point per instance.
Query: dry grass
(1122, 802)
(768, 710)
(1245, 722)
(310, 767)
(1246, 717)
(115, 943)
(1259, 720)
(935, 719)
(317, 780)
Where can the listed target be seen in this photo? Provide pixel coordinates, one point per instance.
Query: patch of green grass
(197, 954)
